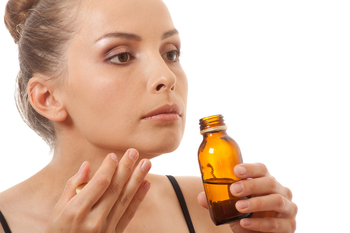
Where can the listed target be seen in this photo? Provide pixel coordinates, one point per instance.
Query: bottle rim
(211, 123)
(217, 128)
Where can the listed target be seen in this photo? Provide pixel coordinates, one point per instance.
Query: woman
(97, 79)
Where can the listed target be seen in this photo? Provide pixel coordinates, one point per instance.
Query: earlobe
(43, 100)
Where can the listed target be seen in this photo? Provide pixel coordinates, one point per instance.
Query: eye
(172, 55)
(121, 58)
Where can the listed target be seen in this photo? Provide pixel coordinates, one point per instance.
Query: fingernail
(237, 187)
(146, 185)
(114, 157)
(243, 204)
(240, 170)
(146, 165)
(133, 154)
(246, 222)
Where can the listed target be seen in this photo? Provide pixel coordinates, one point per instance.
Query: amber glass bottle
(217, 156)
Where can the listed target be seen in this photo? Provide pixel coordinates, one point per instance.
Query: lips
(164, 113)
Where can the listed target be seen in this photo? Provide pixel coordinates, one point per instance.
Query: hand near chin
(270, 202)
(109, 200)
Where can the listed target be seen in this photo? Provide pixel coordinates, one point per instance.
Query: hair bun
(16, 13)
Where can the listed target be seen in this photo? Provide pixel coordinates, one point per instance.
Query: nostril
(160, 86)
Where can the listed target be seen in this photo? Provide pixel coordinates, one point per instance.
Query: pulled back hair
(42, 30)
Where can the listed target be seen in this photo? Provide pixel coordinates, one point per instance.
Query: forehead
(142, 17)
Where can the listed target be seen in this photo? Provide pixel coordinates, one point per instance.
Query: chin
(155, 147)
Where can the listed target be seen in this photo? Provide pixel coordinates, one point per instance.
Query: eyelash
(131, 57)
(128, 53)
(178, 54)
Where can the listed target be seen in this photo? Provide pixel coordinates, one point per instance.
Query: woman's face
(125, 86)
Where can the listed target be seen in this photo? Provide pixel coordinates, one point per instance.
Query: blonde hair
(42, 30)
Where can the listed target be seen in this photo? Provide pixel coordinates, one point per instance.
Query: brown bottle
(217, 156)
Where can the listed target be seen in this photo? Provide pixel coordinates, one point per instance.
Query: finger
(135, 203)
(121, 176)
(273, 202)
(81, 177)
(259, 186)
(254, 170)
(129, 191)
(269, 224)
(96, 187)
(202, 200)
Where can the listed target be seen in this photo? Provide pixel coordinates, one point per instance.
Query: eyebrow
(169, 34)
(123, 35)
(131, 36)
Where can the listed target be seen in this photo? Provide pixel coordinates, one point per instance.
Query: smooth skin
(104, 204)
(120, 68)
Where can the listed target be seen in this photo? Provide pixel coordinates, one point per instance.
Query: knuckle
(75, 214)
(138, 179)
(140, 198)
(263, 168)
(259, 223)
(295, 209)
(249, 186)
(124, 201)
(130, 215)
(258, 204)
(289, 193)
(272, 182)
(115, 189)
(279, 202)
(127, 166)
(70, 183)
(72, 215)
(293, 225)
(272, 224)
(94, 226)
(103, 181)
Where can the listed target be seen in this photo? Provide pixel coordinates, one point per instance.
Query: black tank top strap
(179, 195)
(182, 202)
(4, 224)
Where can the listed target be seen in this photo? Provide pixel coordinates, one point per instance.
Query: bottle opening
(212, 123)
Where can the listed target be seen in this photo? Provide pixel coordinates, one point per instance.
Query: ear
(43, 100)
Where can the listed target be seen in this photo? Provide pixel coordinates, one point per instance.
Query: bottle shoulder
(218, 138)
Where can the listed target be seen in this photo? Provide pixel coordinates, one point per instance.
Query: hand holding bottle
(271, 204)
(218, 154)
(228, 183)
(109, 200)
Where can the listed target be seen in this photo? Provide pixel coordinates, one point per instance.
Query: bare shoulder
(191, 186)
(6, 197)
(1, 229)
(17, 209)
(190, 183)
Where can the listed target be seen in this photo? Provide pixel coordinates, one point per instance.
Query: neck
(70, 151)
(69, 156)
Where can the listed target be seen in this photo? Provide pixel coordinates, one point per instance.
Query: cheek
(98, 106)
(185, 89)
(94, 89)
(96, 96)
(182, 83)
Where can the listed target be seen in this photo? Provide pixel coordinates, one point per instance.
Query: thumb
(202, 200)
(81, 177)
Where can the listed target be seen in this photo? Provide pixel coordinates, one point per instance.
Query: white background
(279, 73)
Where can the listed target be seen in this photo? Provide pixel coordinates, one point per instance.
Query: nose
(161, 78)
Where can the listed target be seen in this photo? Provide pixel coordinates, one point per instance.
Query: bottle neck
(212, 124)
